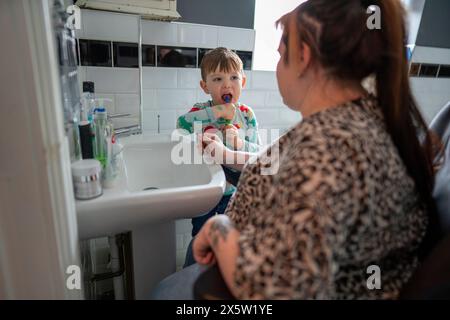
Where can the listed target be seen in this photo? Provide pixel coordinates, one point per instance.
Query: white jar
(86, 175)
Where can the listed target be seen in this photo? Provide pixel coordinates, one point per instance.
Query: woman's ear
(204, 86)
(305, 59)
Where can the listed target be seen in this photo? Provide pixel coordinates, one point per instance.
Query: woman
(353, 187)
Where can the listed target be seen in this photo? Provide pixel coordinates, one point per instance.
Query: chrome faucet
(127, 130)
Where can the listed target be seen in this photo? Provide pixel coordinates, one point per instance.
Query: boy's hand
(225, 111)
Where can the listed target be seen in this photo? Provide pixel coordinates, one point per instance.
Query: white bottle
(114, 166)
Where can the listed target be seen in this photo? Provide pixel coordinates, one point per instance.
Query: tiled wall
(122, 85)
(431, 93)
(171, 92)
(197, 36)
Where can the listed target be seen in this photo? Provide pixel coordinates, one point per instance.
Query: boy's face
(220, 84)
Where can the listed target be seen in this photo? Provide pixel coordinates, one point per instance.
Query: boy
(223, 78)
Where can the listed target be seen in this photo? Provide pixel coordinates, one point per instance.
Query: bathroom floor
(183, 230)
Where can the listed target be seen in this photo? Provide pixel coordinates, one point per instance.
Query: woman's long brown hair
(342, 43)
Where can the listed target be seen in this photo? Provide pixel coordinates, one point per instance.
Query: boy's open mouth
(227, 97)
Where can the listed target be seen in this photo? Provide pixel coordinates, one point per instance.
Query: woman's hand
(212, 147)
(225, 111)
(201, 247)
(232, 139)
(217, 242)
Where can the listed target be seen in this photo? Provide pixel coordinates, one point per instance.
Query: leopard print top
(339, 200)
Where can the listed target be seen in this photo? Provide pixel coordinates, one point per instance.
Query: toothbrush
(227, 99)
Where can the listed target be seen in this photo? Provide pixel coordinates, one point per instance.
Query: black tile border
(429, 70)
(155, 48)
(119, 64)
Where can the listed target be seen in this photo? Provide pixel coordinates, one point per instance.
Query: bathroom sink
(151, 188)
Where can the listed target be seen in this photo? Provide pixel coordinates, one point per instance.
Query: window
(267, 36)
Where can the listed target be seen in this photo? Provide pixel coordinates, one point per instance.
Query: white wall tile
(175, 98)
(202, 96)
(248, 83)
(159, 78)
(188, 78)
(79, 33)
(253, 98)
(161, 33)
(273, 98)
(428, 106)
(114, 80)
(270, 133)
(431, 94)
(187, 235)
(81, 77)
(149, 99)
(183, 226)
(128, 103)
(443, 85)
(125, 122)
(192, 35)
(180, 112)
(180, 257)
(179, 241)
(102, 25)
(264, 80)
(235, 38)
(431, 55)
(108, 101)
(267, 117)
(167, 120)
(416, 85)
(289, 116)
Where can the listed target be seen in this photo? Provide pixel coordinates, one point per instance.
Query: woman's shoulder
(354, 120)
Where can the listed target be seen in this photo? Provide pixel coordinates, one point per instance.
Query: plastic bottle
(114, 165)
(89, 99)
(84, 126)
(99, 125)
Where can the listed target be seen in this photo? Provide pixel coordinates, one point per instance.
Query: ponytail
(402, 116)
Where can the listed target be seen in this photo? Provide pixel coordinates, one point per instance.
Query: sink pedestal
(154, 256)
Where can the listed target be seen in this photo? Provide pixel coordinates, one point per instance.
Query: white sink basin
(150, 188)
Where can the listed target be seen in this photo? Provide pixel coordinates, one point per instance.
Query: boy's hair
(225, 59)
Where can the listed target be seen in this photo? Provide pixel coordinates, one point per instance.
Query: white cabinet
(102, 25)
(152, 9)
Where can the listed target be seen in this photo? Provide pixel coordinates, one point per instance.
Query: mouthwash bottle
(100, 128)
